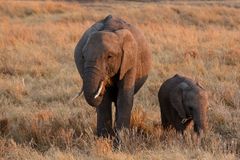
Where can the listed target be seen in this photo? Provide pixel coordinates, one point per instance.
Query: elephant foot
(105, 133)
(117, 143)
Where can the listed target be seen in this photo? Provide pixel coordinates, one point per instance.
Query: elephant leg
(104, 117)
(116, 139)
(124, 109)
(125, 100)
(123, 115)
(116, 113)
(124, 105)
(164, 113)
(165, 122)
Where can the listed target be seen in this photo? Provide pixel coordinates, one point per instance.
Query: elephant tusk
(184, 120)
(99, 90)
(77, 95)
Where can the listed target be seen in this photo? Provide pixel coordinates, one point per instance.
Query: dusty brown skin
(115, 55)
(181, 101)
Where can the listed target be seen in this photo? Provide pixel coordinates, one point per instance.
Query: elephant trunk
(93, 87)
(199, 118)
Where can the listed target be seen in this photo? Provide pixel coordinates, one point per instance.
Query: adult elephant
(181, 101)
(113, 60)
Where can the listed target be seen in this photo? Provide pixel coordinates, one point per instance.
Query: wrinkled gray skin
(114, 53)
(181, 101)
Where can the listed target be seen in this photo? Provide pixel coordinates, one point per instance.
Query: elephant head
(190, 102)
(106, 54)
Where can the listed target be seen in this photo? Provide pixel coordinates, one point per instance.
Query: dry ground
(38, 77)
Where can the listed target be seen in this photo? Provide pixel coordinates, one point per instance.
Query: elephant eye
(109, 56)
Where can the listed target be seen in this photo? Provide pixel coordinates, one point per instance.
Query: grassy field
(38, 78)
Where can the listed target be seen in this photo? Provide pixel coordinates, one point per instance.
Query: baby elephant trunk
(199, 118)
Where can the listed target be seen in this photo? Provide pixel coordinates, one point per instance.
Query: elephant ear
(129, 48)
(176, 99)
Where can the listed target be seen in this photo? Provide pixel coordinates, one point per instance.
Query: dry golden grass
(38, 77)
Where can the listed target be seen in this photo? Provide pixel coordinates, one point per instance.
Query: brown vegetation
(38, 77)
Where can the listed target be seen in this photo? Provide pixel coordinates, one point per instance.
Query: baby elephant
(181, 101)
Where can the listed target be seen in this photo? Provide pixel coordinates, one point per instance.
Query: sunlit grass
(38, 78)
